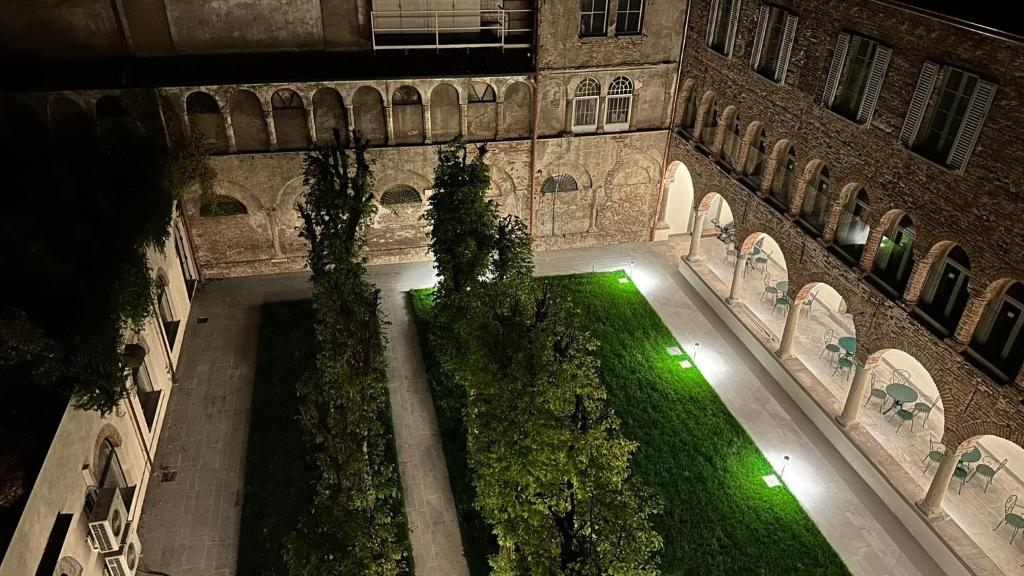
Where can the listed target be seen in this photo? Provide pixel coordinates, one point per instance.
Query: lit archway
(678, 199)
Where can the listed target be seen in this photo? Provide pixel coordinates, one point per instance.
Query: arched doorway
(678, 209)
(826, 337)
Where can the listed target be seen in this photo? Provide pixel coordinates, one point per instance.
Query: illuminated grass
(719, 515)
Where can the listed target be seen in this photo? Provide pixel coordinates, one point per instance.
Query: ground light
(677, 351)
(773, 480)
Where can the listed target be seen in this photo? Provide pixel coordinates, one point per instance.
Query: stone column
(931, 505)
(229, 131)
(785, 350)
(499, 119)
(666, 183)
(916, 282)
(601, 102)
(268, 116)
(186, 124)
(855, 397)
(311, 124)
(975, 309)
(867, 260)
(698, 227)
(426, 123)
(568, 115)
(737, 278)
(464, 119)
(390, 121)
(350, 123)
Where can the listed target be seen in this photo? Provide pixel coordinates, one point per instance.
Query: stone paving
(190, 525)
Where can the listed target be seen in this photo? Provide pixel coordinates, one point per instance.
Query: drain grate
(202, 320)
(168, 476)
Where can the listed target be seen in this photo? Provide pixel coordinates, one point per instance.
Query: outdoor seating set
(900, 389)
(839, 353)
(727, 233)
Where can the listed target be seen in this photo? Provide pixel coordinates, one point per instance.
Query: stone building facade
(922, 165)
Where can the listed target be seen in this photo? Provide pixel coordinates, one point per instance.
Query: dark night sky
(1001, 15)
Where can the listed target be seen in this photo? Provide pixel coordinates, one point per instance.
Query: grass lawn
(719, 516)
(278, 473)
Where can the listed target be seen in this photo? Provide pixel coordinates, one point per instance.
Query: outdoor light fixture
(674, 351)
(696, 348)
(631, 263)
(686, 364)
(785, 461)
(772, 480)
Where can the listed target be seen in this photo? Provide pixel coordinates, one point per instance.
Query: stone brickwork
(979, 209)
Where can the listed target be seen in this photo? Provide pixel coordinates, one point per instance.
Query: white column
(932, 503)
(698, 228)
(785, 350)
(737, 278)
(855, 397)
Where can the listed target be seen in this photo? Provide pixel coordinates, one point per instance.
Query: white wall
(680, 201)
(826, 296)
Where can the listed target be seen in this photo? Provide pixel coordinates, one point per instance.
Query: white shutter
(835, 70)
(971, 125)
(874, 85)
(786, 49)
(712, 20)
(734, 20)
(923, 91)
(762, 23)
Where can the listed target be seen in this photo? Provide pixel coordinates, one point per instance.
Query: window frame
(719, 21)
(624, 102)
(588, 99)
(812, 193)
(640, 18)
(949, 132)
(592, 14)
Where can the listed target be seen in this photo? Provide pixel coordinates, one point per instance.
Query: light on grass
(696, 348)
(686, 364)
(674, 351)
(785, 462)
(624, 280)
(772, 480)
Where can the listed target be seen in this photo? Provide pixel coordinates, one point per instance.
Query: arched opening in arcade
(677, 210)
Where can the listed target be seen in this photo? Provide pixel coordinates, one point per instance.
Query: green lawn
(719, 516)
(279, 477)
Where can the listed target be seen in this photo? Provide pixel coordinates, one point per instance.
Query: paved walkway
(190, 526)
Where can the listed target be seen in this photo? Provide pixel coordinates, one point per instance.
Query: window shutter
(762, 23)
(734, 20)
(874, 85)
(786, 49)
(923, 91)
(835, 70)
(712, 20)
(970, 128)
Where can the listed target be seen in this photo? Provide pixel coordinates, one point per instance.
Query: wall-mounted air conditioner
(125, 561)
(108, 520)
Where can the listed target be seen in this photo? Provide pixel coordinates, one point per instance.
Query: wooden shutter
(787, 48)
(734, 20)
(762, 23)
(874, 85)
(923, 91)
(971, 125)
(712, 20)
(835, 70)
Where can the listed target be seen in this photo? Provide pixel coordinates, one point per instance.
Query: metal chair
(900, 376)
(987, 471)
(876, 393)
(770, 289)
(1009, 517)
(831, 347)
(961, 473)
(844, 363)
(781, 301)
(806, 306)
(730, 253)
(905, 415)
(925, 407)
(936, 452)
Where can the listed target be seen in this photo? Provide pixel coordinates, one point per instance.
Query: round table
(971, 457)
(783, 286)
(901, 394)
(848, 343)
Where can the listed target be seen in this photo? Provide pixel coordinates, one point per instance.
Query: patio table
(971, 457)
(783, 286)
(900, 394)
(848, 343)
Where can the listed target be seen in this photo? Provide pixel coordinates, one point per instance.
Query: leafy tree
(513, 250)
(356, 524)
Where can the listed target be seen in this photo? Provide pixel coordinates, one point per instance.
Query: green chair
(844, 363)
(876, 393)
(936, 452)
(960, 473)
(781, 301)
(831, 347)
(925, 407)
(904, 416)
(732, 253)
(770, 289)
(987, 471)
(1009, 517)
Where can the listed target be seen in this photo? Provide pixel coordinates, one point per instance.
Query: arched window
(710, 128)
(482, 121)
(997, 341)
(584, 106)
(817, 199)
(784, 180)
(205, 120)
(165, 310)
(944, 295)
(248, 122)
(407, 115)
(733, 142)
(222, 205)
(895, 258)
(111, 473)
(329, 114)
(618, 104)
(400, 194)
(558, 183)
(689, 113)
(853, 229)
(756, 155)
(289, 120)
(481, 92)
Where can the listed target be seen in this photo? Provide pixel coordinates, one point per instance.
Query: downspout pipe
(672, 121)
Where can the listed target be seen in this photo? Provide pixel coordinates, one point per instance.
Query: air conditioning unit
(108, 520)
(125, 561)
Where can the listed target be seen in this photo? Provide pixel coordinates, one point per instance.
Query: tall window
(184, 253)
(852, 232)
(618, 104)
(944, 125)
(855, 77)
(689, 113)
(944, 295)
(710, 127)
(733, 142)
(149, 397)
(111, 474)
(584, 106)
(997, 340)
(722, 22)
(817, 199)
(593, 17)
(895, 258)
(784, 181)
(166, 313)
(289, 120)
(773, 42)
(629, 18)
(756, 154)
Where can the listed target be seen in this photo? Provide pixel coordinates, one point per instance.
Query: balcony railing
(399, 30)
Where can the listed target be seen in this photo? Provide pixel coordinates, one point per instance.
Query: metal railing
(396, 30)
